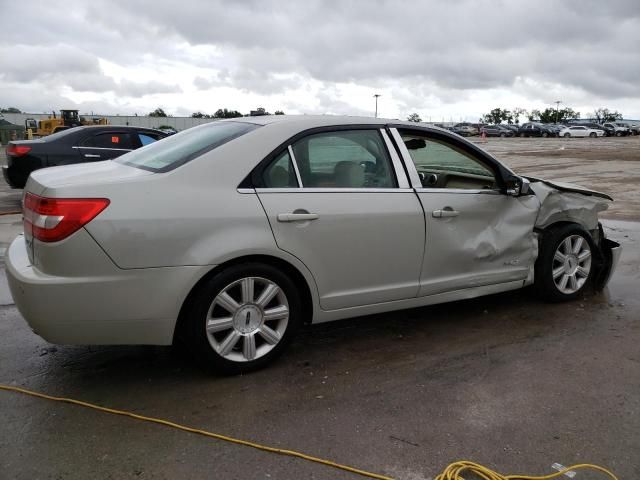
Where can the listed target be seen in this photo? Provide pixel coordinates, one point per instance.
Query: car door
(339, 201)
(101, 144)
(476, 235)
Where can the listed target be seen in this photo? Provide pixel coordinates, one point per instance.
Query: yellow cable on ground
(452, 472)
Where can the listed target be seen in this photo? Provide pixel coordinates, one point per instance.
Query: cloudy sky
(445, 60)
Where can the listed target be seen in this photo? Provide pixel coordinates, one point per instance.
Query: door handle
(91, 155)
(297, 217)
(445, 213)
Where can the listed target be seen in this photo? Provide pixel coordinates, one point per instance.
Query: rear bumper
(13, 178)
(137, 306)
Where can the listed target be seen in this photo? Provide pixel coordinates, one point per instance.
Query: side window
(146, 139)
(344, 159)
(109, 140)
(280, 173)
(441, 164)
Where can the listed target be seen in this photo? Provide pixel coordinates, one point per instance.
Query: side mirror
(517, 186)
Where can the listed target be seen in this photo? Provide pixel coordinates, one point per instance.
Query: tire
(618, 134)
(545, 134)
(593, 134)
(502, 135)
(522, 135)
(232, 343)
(565, 264)
(567, 135)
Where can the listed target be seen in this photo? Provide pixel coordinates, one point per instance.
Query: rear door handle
(297, 217)
(91, 155)
(444, 213)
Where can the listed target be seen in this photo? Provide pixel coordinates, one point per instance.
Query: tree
(198, 115)
(515, 116)
(224, 113)
(603, 115)
(10, 110)
(497, 116)
(278, 112)
(414, 117)
(551, 115)
(158, 112)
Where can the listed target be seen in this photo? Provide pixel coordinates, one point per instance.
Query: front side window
(442, 164)
(183, 147)
(344, 159)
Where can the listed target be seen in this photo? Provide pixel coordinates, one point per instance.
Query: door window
(441, 164)
(117, 140)
(344, 159)
(146, 139)
(280, 173)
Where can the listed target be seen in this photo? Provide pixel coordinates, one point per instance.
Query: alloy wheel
(571, 264)
(247, 319)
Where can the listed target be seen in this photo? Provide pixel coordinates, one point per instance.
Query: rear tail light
(17, 150)
(54, 219)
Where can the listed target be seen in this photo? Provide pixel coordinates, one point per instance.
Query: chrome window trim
(414, 178)
(106, 148)
(246, 190)
(403, 182)
(331, 190)
(295, 166)
(457, 190)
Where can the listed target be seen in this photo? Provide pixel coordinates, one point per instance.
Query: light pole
(557, 102)
(376, 95)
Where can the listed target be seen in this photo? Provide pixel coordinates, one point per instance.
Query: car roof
(311, 121)
(122, 127)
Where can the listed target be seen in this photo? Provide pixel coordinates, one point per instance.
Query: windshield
(178, 149)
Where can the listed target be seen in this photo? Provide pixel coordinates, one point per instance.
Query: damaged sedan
(228, 236)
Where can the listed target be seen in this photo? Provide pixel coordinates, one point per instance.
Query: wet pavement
(505, 380)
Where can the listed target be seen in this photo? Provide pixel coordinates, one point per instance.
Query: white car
(230, 235)
(580, 131)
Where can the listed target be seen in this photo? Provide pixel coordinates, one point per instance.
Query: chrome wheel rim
(571, 264)
(247, 319)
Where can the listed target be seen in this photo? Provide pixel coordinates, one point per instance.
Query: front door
(476, 235)
(339, 201)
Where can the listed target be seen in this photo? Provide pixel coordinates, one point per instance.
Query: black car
(537, 130)
(75, 145)
(496, 131)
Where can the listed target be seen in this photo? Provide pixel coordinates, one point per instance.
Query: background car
(617, 129)
(581, 131)
(228, 236)
(532, 129)
(73, 145)
(497, 131)
(465, 129)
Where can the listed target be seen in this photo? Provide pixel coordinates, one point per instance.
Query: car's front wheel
(242, 318)
(567, 135)
(564, 265)
(593, 134)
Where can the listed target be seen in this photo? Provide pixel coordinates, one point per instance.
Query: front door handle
(297, 217)
(91, 155)
(444, 213)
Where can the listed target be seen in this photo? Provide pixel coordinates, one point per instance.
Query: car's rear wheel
(593, 134)
(618, 134)
(243, 318)
(545, 134)
(567, 135)
(503, 134)
(564, 265)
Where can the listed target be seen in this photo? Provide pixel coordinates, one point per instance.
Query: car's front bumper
(136, 306)
(610, 253)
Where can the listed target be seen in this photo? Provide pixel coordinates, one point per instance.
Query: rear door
(340, 202)
(105, 145)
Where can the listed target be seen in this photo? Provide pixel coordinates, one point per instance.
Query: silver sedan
(228, 236)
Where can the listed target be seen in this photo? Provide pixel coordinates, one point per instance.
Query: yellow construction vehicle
(68, 119)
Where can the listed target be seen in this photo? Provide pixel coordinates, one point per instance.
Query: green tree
(603, 115)
(414, 117)
(10, 110)
(158, 112)
(496, 116)
(278, 112)
(515, 116)
(224, 113)
(198, 115)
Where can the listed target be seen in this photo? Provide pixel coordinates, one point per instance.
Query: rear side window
(183, 147)
(117, 140)
(146, 139)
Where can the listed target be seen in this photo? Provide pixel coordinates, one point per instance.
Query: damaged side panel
(487, 239)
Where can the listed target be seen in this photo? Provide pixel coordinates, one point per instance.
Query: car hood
(570, 187)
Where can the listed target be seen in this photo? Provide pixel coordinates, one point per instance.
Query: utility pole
(376, 95)
(557, 102)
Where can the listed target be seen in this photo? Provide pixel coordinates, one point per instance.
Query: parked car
(581, 131)
(497, 131)
(465, 129)
(73, 145)
(617, 129)
(536, 130)
(228, 236)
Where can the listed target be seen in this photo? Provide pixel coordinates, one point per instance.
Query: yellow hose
(452, 472)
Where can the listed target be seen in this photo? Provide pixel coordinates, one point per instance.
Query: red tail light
(54, 219)
(17, 150)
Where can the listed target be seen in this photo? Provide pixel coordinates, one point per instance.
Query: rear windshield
(176, 150)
